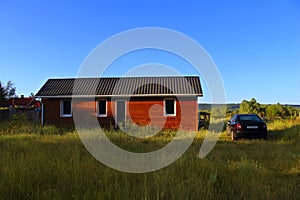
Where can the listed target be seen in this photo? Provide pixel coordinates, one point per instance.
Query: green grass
(57, 166)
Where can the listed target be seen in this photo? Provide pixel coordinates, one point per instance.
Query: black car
(246, 125)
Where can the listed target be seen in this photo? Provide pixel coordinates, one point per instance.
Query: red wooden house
(139, 100)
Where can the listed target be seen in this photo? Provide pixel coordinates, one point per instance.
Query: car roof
(245, 114)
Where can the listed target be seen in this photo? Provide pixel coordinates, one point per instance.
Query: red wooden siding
(52, 113)
(139, 109)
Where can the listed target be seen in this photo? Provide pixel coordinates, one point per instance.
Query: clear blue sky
(255, 44)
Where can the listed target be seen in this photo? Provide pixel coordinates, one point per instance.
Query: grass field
(46, 163)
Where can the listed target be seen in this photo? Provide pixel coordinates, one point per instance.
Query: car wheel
(232, 136)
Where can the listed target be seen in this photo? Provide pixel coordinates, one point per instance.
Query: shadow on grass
(287, 134)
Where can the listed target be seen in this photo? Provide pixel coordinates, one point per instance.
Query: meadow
(49, 163)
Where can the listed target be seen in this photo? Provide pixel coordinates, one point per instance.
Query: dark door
(121, 113)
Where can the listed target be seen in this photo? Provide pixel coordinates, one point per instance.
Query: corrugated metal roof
(125, 86)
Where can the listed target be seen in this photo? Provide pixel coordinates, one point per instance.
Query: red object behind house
(23, 102)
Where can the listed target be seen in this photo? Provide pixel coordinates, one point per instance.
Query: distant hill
(207, 106)
(295, 106)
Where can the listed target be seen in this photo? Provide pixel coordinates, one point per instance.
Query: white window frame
(62, 108)
(97, 110)
(169, 115)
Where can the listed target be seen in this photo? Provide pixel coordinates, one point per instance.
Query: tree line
(7, 91)
(252, 106)
(271, 111)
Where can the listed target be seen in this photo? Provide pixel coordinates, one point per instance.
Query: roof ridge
(119, 77)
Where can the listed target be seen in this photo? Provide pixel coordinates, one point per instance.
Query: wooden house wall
(138, 110)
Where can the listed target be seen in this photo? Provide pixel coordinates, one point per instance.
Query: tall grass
(57, 166)
(284, 129)
(20, 125)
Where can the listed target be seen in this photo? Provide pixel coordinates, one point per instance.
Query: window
(249, 118)
(102, 108)
(170, 107)
(66, 108)
(233, 119)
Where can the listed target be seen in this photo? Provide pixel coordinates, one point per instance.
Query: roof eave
(119, 96)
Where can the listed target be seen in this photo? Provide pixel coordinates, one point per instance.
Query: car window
(233, 119)
(252, 118)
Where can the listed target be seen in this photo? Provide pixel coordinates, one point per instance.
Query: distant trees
(251, 106)
(7, 91)
(276, 110)
(10, 89)
(3, 93)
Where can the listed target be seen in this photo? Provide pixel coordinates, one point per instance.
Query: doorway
(120, 113)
